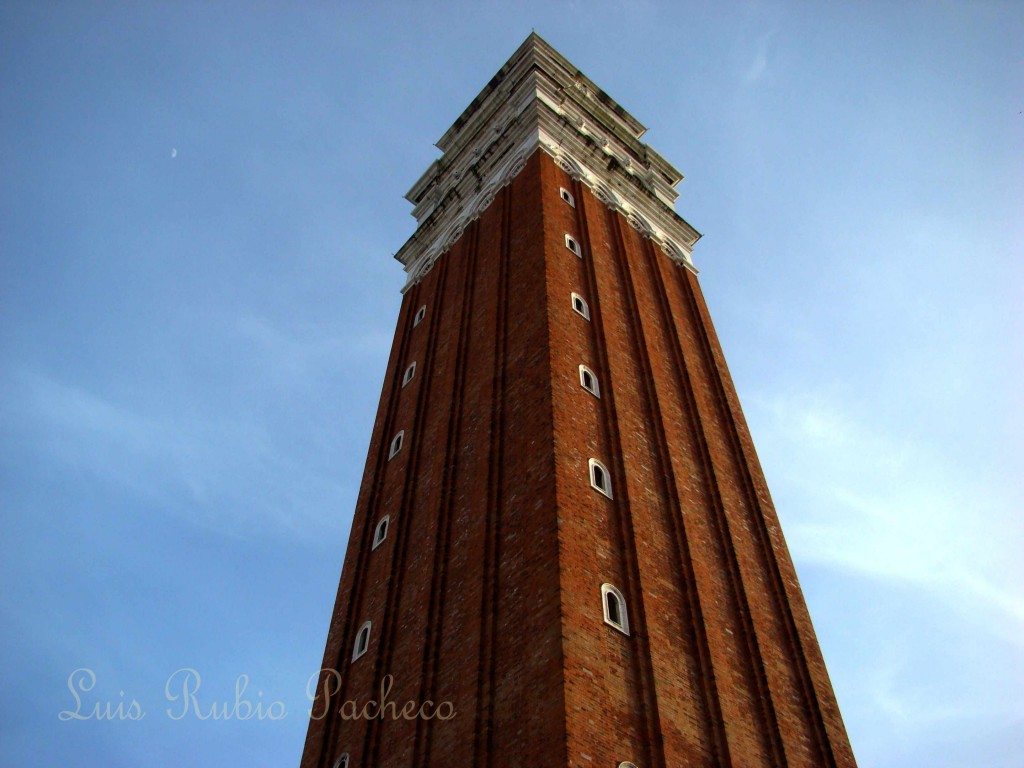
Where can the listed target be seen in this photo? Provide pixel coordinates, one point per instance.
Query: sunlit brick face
(581, 555)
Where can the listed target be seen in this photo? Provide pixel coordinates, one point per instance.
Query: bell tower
(563, 552)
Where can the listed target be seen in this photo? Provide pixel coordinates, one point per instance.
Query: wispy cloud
(927, 624)
(910, 708)
(225, 473)
(893, 510)
(757, 69)
(306, 351)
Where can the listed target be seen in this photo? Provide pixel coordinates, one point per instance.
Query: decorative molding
(539, 101)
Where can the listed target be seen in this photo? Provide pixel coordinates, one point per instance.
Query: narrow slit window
(362, 641)
(409, 373)
(572, 245)
(588, 380)
(381, 531)
(566, 195)
(600, 479)
(342, 762)
(614, 608)
(396, 444)
(420, 314)
(580, 306)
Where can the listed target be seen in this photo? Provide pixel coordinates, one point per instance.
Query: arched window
(566, 195)
(588, 380)
(627, 764)
(409, 373)
(396, 444)
(614, 605)
(362, 641)
(580, 306)
(342, 762)
(381, 531)
(420, 314)
(600, 479)
(572, 245)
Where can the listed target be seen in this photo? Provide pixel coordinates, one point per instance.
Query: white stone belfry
(538, 100)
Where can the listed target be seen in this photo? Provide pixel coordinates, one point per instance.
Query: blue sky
(198, 207)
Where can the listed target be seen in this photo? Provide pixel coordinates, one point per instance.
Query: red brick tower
(564, 552)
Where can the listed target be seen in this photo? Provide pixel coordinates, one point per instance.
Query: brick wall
(487, 591)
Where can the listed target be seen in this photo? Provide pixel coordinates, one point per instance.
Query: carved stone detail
(551, 107)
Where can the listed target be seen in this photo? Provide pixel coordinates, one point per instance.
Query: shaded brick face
(486, 593)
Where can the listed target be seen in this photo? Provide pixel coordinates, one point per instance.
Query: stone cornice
(540, 101)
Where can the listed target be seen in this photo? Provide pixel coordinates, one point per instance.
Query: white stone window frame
(420, 314)
(623, 625)
(380, 531)
(362, 642)
(396, 444)
(606, 488)
(567, 197)
(342, 762)
(585, 311)
(627, 764)
(409, 374)
(573, 245)
(596, 389)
